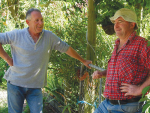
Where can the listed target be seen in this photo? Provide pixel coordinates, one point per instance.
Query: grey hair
(28, 14)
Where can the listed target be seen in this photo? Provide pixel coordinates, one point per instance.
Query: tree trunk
(91, 38)
(138, 9)
(13, 7)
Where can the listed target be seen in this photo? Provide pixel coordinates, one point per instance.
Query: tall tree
(91, 38)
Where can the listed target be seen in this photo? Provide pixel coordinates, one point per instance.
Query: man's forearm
(71, 52)
(5, 56)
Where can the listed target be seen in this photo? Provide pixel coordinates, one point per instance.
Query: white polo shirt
(30, 59)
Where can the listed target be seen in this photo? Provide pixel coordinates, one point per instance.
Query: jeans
(107, 107)
(17, 95)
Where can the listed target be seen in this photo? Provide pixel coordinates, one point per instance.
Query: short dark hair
(28, 14)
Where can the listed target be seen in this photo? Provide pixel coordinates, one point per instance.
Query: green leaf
(50, 100)
(148, 43)
(67, 106)
(145, 107)
(145, 90)
(143, 99)
(69, 109)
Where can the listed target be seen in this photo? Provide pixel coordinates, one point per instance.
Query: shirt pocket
(128, 69)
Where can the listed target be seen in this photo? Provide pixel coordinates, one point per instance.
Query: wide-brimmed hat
(126, 14)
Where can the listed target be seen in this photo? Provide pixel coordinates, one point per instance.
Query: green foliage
(148, 43)
(144, 3)
(147, 3)
(72, 28)
(26, 109)
(3, 109)
(107, 9)
(67, 107)
(55, 88)
(145, 98)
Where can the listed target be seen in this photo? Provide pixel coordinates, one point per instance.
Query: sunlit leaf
(145, 107)
(148, 43)
(143, 99)
(145, 90)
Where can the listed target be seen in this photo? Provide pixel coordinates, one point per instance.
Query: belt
(115, 102)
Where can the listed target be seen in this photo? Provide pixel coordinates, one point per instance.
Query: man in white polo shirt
(31, 49)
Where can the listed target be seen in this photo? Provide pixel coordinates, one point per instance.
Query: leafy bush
(146, 99)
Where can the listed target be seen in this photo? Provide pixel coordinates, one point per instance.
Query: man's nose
(41, 22)
(116, 25)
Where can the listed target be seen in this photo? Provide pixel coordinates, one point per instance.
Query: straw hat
(127, 15)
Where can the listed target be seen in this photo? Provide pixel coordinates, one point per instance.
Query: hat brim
(112, 19)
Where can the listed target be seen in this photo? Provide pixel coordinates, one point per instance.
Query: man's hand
(130, 89)
(87, 62)
(71, 52)
(97, 74)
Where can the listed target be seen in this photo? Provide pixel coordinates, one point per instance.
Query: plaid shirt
(129, 65)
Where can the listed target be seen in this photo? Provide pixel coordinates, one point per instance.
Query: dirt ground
(3, 98)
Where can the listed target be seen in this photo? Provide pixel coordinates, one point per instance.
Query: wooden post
(91, 38)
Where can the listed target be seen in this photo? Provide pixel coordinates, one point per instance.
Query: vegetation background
(67, 91)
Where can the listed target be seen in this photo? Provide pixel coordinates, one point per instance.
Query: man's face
(36, 23)
(122, 27)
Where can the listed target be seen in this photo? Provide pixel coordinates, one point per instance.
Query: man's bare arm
(5, 56)
(72, 53)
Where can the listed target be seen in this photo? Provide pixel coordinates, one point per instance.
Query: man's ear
(27, 21)
(133, 25)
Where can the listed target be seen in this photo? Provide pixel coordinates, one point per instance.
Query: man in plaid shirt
(127, 68)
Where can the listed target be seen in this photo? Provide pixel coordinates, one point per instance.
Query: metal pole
(100, 90)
